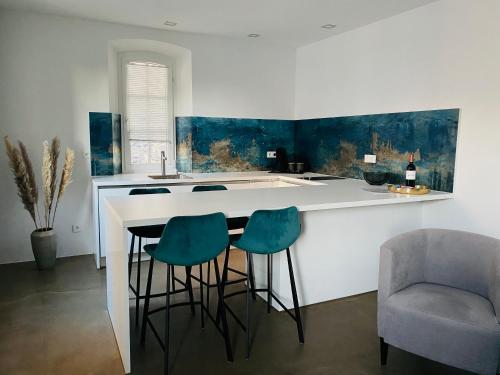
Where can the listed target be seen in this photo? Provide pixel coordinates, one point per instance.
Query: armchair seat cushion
(446, 324)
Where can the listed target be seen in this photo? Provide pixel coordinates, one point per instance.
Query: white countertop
(144, 179)
(308, 196)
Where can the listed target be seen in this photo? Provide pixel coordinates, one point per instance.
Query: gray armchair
(439, 297)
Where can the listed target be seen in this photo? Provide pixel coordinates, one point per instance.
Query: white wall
(443, 55)
(54, 70)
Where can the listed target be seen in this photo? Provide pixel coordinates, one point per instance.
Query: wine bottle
(411, 171)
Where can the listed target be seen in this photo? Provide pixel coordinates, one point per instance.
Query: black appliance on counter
(280, 163)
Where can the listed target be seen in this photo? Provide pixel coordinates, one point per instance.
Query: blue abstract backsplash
(337, 145)
(334, 145)
(209, 144)
(105, 143)
(184, 140)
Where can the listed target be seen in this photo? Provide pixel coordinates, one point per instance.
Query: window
(148, 109)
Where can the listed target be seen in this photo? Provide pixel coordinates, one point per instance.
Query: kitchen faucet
(163, 160)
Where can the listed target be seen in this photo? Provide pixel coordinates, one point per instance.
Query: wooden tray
(417, 190)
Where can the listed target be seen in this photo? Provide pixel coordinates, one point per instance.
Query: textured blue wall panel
(334, 145)
(105, 143)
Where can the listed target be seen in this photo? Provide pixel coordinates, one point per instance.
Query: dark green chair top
(199, 188)
(191, 240)
(150, 231)
(270, 231)
(143, 191)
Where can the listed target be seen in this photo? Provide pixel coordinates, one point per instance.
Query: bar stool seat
(269, 232)
(149, 232)
(187, 241)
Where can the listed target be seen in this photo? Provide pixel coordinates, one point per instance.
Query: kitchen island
(344, 222)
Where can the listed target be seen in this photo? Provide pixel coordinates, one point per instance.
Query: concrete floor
(55, 322)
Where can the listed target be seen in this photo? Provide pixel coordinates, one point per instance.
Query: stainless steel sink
(169, 177)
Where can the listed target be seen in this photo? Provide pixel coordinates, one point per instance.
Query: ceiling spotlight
(329, 26)
(253, 35)
(170, 23)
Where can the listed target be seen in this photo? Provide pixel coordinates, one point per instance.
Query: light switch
(370, 158)
(271, 154)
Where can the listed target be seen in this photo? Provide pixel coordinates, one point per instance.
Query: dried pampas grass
(67, 172)
(55, 148)
(47, 180)
(66, 175)
(31, 176)
(22, 178)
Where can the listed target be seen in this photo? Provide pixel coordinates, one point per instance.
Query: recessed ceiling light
(329, 26)
(170, 23)
(253, 35)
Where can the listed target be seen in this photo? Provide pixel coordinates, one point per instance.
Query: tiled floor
(55, 322)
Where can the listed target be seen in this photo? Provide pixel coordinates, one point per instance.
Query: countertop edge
(404, 199)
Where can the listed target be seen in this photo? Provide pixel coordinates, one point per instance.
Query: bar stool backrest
(143, 191)
(192, 240)
(199, 188)
(271, 231)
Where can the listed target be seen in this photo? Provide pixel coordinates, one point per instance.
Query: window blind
(147, 110)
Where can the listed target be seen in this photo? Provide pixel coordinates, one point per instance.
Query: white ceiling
(294, 22)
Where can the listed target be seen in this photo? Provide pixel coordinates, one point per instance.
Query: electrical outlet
(271, 154)
(372, 159)
(76, 228)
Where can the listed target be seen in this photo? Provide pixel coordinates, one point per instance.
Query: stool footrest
(233, 314)
(162, 308)
(283, 307)
(155, 295)
(239, 292)
(236, 271)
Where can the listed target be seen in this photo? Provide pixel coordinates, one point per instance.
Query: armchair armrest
(494, 289)
(402, 263)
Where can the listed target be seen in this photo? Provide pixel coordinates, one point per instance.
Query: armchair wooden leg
(384, 349)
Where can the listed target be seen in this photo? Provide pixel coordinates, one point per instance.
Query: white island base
(343, 226)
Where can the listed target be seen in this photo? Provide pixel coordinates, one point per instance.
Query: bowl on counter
(376, 178)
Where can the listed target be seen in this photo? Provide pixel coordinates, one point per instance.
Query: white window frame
(124, 59)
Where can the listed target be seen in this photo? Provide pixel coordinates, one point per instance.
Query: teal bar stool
(187, 241)
(152, 232)
(232, 224)
(269, 232)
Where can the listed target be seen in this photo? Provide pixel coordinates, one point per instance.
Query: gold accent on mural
(222, 158)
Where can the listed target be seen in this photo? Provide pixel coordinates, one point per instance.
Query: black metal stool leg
(224, 280)
(131, 256)
(298, 319)
(269, 282)
(146, 302)
(201, 298)
(167, 324)
(249, 257)
(173, 278)
(208, 282)
(225, 329)
(252, 279)
(225, 270)
(384, 349)
(189, 286)
(137, 297)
